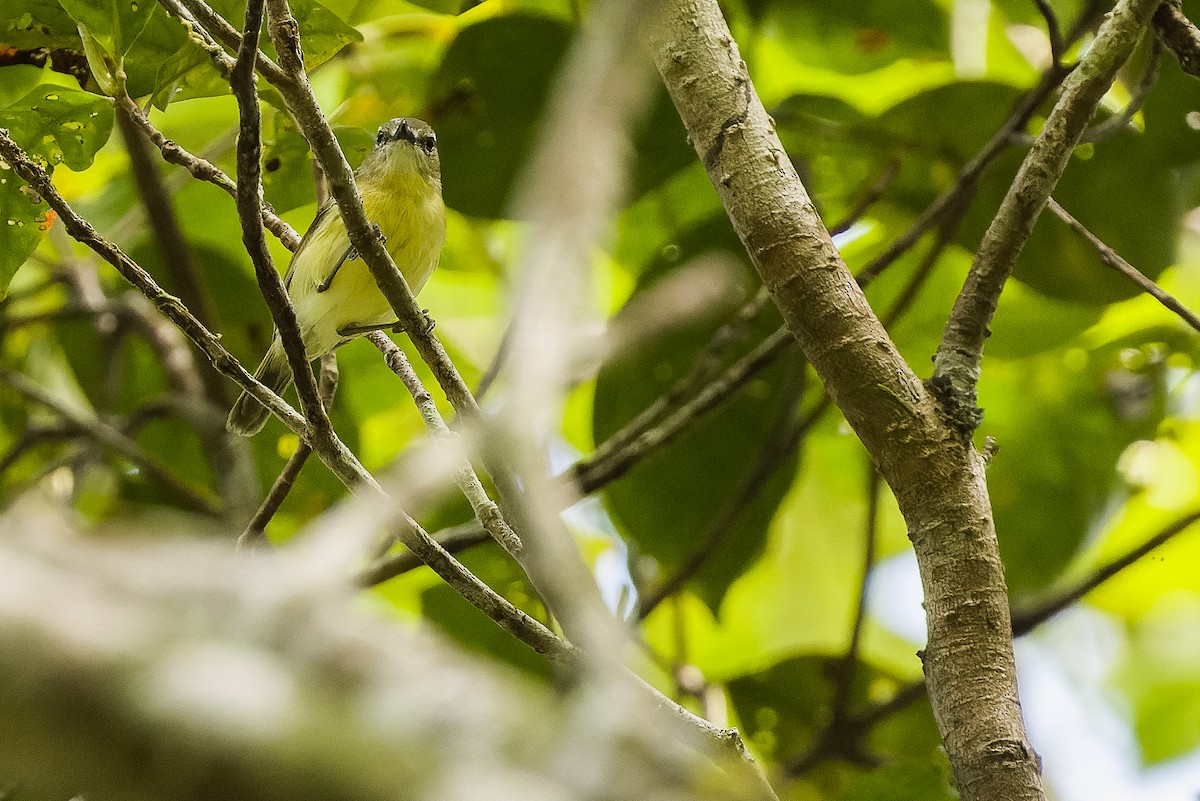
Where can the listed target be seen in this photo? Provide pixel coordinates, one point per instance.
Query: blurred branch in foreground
(177, 670)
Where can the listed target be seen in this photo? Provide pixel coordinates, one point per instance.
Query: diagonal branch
(201, 168)
(956, 366)
(1025, 620)
(1113, 259)
(1180, 35)
(487, 513)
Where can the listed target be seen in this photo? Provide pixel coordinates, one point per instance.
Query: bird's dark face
(408, 129)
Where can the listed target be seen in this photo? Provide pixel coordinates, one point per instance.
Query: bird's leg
(395, 326)
(351, 255)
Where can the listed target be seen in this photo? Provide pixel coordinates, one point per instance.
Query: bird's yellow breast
(410, 214)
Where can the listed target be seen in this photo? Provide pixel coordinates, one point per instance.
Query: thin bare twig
(1026, 620)
(1053, 31)
(1113, 260)
(255, 533)
(588, 474)
(202, 169)
(485, 509)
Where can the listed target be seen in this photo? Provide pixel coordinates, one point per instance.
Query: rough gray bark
(936, 475)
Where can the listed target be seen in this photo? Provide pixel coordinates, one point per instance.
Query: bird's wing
(326, 216)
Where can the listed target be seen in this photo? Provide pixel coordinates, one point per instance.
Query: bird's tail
(248, 416)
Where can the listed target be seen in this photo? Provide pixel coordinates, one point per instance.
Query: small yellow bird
(335, 296)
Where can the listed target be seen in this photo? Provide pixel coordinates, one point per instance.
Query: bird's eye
(381, 136)
(427, 143)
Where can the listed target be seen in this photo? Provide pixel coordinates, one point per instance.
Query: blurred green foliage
(1089, 389)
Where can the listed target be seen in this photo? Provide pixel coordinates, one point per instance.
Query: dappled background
(737, 548)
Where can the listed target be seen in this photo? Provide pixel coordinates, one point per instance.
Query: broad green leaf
(1168, 721)
(1171, 114)
(1060, 428)
(58, 125)
(813, 561)
(702, 471)
(858, 37)
(486, 98)
(288, 163)
(660, 146)
(16, 81)
(116, 24)
(838, 151)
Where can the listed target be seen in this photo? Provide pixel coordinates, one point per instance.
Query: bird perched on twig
(331, 288)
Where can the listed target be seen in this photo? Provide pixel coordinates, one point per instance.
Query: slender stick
(485, 509)
(1026, 620)
(1113, 259)
(249, 169)
(202, 169)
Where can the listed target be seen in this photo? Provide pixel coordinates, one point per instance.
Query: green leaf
(1060, 429)
(287, 162)
(858, 37)
(1172, 129)
(322, 33)
(59, 125)
(16, 81)
(486, 102)
(703, 470)
(660, 146)
(116, 24)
